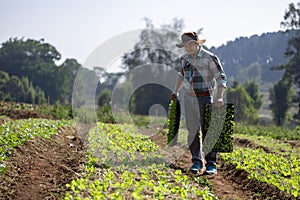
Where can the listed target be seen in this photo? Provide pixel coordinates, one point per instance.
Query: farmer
(199, 69)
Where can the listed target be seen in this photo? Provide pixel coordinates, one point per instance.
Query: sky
(77, 27)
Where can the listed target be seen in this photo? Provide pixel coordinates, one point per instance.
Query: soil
(229, 183)
(223, 187)
(294, 143)
(249, 144)
(23, 114)
(41, 168)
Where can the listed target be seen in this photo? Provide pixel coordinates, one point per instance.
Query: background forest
(261, 69)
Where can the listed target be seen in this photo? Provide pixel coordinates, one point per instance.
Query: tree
(65, 78)
(19, 90)
(4, 77)
(243, 103)
(19, 56)
(155, 47)
(28, 91)
(15, 88)
(292, 68)
(36, 60)
(264, 51)
(251, 72)
(106, 79)
(292, 21)
(292, 17)
(252, 89)
(104, 97)
(281, 97)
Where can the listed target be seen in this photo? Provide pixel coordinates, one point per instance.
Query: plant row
(274, 169)
(275, 132)
(15, 133)
(125, 165)
(275, 146)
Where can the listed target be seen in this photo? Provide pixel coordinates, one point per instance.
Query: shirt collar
(200, 52)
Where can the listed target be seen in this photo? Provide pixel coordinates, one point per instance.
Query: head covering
(189, 37)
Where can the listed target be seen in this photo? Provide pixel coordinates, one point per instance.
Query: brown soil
(223, 187)
(229, 183)
(248, 144)
(41, 168)
(294, 143)
(23, 114)
(258, 190)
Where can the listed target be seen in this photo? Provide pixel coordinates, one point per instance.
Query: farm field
(60, 159)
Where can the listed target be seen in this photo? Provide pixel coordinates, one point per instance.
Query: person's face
(191, 48)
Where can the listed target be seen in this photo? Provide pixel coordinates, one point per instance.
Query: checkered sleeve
(218, 71)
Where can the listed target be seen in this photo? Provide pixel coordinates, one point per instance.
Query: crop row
(275, 146)
(275, 169)
(120, 145)
(15, 133)
(125, 165)
(152, 182)
(274, 132)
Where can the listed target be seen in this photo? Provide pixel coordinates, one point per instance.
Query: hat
(188, 37)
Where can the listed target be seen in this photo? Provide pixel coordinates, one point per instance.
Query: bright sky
(77, 27)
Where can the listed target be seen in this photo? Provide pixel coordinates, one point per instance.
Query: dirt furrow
(223, 187)
(41, 168)
(229, 183)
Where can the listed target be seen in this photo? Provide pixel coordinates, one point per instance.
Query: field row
(284, 173)
(17, 132)
(269, 158)
(131, 167)
(124, 164)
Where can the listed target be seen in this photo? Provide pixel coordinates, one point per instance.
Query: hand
(173, 96)
(219, 102)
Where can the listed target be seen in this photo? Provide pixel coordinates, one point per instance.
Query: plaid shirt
(200, 71)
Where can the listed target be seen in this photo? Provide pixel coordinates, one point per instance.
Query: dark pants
(194, 108)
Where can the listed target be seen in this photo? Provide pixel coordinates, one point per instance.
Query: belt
(199, 94)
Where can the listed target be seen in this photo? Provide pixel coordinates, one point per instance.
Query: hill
(253, 57)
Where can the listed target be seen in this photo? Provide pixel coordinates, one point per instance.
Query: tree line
(21, 89)
(29, 71)
(156, 46)
(253, 57)
(285, 94)
(32, 63)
